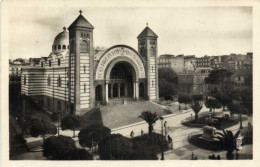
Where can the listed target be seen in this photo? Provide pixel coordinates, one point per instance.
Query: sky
(182, 30)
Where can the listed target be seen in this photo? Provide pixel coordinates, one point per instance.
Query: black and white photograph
(88, 82)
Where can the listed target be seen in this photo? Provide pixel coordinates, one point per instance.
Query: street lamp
(240, 115)
(161, 119)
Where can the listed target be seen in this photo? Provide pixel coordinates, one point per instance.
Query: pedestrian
(142, 132)
(218, 157)
(179, 107)
(213, 156)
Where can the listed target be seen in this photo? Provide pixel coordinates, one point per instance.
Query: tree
(237, 108)
(41, 128)
(70, 122)
(197, 97)
(196, 107)
(212, 104)
(168, 81)
(92, 135)
(184, 99)
(63, 148)
(224, 99)
(114, 147)
(228, 140)
(150, 118)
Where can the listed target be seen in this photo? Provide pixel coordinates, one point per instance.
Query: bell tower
(147, 47)
(81, 93)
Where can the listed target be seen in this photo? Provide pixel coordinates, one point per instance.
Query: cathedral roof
(81, 22)
(147, 32)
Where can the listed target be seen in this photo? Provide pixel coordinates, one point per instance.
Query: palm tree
(196, 107)
(150, 118)
(228, 140)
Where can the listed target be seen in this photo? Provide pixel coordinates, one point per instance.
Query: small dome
(62, 38)
(61, 41)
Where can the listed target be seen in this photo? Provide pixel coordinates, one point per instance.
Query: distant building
(242, 80)
(202, 61)
(193, 82)
(170, 61)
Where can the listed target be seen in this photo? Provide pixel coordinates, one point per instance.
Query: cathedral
(75, 78)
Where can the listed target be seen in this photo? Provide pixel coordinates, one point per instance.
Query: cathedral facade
(75, 77)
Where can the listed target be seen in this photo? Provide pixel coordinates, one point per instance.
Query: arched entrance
(141, 90)
(98, 93)
(121, 77)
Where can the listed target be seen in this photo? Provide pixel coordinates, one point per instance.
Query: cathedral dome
(61, 41)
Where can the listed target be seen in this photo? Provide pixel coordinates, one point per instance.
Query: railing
(114, 102)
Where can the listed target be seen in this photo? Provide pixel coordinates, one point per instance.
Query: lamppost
(240, 115)
(161, 119)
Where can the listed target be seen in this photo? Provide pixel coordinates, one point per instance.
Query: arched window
(64, 47)
(59, 61)
(49, 80)
(49, 63)
(58, 105)
(84, 47)
(55, 47)
(59, 47)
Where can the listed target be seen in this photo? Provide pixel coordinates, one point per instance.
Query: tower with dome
(74, 78)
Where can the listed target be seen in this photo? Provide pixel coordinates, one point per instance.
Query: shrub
(70, 122)
(92, 133)
(59, 148)
(114, 147)
(42, 128)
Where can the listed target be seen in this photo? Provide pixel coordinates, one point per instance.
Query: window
(84, 47)
(68, 46)
(59, 61)
(64, 47)
(24, 80)
(84, 69)
(55, 47)
(41, 64)
(49, 80)
(49, 63)
(58, 105)
(84, 88)
(59, 47)
(59, 81)
(48, 102)
(239, 78)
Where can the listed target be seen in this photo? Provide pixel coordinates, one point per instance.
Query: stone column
(137, 90)
(134, 94)
(106, 95)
